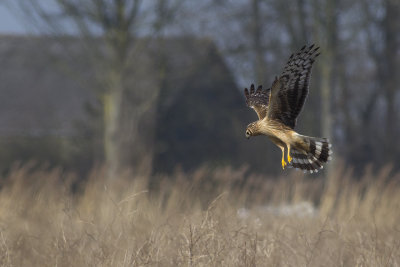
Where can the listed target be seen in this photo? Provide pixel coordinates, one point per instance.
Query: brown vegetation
(175, 222)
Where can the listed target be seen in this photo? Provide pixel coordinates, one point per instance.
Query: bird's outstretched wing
(258, 100)
(289, 91)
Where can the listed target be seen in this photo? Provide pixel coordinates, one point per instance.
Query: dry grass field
(204, 218)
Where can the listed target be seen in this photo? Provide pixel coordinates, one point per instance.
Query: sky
(10, 23)
(13, 23)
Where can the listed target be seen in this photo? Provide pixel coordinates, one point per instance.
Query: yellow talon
(283, 164)
(289, 158)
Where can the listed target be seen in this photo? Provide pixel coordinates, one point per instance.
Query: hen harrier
(277, 109)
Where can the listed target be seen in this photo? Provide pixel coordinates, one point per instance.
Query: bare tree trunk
(391, 29)
(326, 97)
(326, 77)
(326, 34)
(259, 64)
(112, 102)
(302, 15)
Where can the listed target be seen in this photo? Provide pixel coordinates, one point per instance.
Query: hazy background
(157, 85)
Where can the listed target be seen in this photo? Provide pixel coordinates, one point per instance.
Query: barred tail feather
(318, 152)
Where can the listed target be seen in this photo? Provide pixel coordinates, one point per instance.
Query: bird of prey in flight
(277, 109)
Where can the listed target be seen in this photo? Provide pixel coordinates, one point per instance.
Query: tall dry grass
(193, 220)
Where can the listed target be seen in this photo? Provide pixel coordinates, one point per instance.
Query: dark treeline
(178, 103)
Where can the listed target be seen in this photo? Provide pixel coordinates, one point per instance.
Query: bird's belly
(277, 141)
(281, 137)
(277, 132)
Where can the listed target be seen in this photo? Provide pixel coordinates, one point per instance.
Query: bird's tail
(317, 151)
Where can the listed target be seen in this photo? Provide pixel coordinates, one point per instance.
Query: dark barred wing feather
(257, 100)
(289, 91)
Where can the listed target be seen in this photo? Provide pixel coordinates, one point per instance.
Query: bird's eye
(247, 132)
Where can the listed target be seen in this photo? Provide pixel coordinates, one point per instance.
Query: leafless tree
(112, 34)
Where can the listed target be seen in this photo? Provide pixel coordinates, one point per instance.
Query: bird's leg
(289, 158)
(283, 157)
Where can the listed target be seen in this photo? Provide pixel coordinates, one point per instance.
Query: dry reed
(223, 217)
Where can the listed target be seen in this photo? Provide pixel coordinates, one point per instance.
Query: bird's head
(251, 130)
